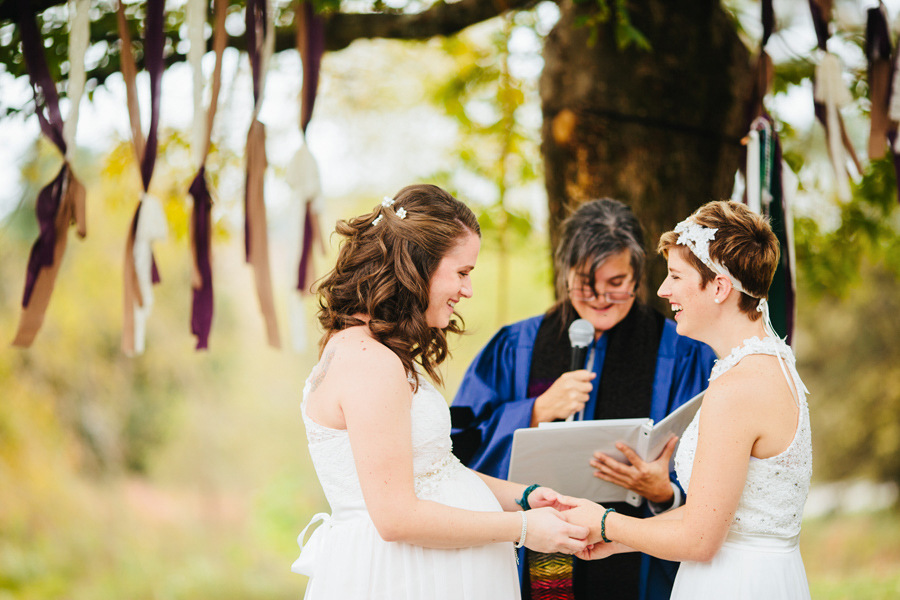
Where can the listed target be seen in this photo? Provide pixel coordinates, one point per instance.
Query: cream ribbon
(831, 91)
(196, 23)
(151, 226)
(305, 182)
(311, 551)
(79, 39)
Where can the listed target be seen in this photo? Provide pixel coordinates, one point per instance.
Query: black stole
(625, 391)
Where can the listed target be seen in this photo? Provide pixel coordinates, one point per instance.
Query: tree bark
(658, 130)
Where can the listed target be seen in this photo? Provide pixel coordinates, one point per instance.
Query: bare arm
(508, 494)
(379, 426)
(729, 426)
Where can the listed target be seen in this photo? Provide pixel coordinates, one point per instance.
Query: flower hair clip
(388, 202)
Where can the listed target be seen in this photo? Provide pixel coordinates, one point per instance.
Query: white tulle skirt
(347, 559)
(747, 567)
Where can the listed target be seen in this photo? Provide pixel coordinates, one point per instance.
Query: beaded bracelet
(521, 541)
(524, 501)
(603, 525)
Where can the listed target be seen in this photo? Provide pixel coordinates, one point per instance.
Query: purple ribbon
(312, 60)
(820, 25)
(306, 251)
(45, 98)
(257, 25)
(153, 56)
(768, 21)
(202, 305)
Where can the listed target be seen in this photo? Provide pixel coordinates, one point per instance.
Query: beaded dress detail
(346, 558)
(760, 558)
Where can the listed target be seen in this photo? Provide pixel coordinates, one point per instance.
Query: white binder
(556, 455)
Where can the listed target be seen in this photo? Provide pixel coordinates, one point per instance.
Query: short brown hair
(744, 244)
(384, 270)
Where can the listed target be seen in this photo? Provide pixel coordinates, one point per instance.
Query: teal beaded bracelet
(603, 525)
(524, 501)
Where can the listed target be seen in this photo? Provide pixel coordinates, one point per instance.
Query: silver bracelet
(521, 541)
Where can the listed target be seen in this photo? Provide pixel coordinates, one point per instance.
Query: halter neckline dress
(760, 558)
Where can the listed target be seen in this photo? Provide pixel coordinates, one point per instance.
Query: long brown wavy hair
(384, 268)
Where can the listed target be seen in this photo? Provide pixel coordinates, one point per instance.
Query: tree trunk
(658, 130)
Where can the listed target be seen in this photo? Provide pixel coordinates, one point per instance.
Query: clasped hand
(549, 528)
(565, 524)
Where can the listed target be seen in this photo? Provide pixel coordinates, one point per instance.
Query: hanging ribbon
(201, 215)
(62, 201)
(149, 222)
(255, 228)
(831, 95)
(766, 196)
(821, 16)
(878, 53)
(304, 172)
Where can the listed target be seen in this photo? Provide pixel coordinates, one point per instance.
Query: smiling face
(614, 275)
(451, 281)
(683, 288)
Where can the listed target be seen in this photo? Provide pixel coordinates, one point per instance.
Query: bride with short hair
(746, 459)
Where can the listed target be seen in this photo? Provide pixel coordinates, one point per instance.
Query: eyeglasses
(586, 294)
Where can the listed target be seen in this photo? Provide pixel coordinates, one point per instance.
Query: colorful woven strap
(551, 576)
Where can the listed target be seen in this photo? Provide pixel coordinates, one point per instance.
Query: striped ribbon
(551, 576)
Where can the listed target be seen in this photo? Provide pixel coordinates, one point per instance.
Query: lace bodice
(776, 487)
(433, 460)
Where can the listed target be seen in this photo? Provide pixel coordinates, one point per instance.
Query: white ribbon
(79, 39)
(305, 182)
(312, 549)
(196, 23)
(151, 226)
(831, 91)
(753, 197)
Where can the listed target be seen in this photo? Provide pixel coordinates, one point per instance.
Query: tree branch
(341, 29)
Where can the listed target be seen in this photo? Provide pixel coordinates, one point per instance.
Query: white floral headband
(697, 238)
(387, 203)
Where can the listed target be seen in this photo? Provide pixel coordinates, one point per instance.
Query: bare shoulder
(353, 360)
(747, 391)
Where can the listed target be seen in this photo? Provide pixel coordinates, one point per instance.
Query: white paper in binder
(557, 454)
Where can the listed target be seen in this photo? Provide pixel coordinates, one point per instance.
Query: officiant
(637, 366)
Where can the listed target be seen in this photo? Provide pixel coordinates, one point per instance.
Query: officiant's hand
(649, 479)
(550, 532)
(564, 398)
(544, 496)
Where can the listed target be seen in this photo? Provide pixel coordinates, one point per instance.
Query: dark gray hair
(593, 233)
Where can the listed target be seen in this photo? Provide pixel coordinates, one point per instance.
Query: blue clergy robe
(495, 388)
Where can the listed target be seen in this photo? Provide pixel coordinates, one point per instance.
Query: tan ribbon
(258, 247)
(71, 211)
(258, 252)
(879, 93)
(132, 290)
(129, 73)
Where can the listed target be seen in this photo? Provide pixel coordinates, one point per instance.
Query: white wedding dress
(760, 558)
(345, 557)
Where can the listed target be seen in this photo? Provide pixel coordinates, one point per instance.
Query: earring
(718, 300)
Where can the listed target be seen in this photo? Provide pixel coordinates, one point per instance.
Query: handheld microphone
(581, 334)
